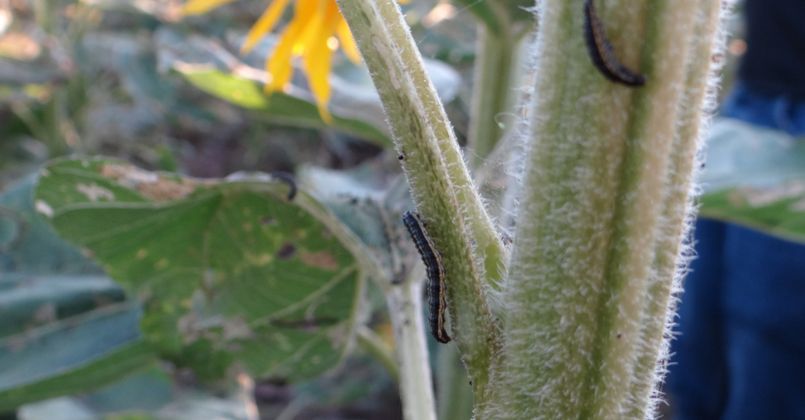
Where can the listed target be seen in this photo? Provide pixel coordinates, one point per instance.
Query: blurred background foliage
(133, 80)
(136, 81)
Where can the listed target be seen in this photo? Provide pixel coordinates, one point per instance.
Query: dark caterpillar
(288, 179)
(437, 302)
(602, 53)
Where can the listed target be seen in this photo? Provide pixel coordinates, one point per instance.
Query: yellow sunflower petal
(199, 7)
(318, 72)
(318, 60)
(311, 34)
(347, 41)
(264, 25)
(279, 62)
(313, 25)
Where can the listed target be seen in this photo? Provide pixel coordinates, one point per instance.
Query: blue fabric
(740, 349)
(776, 112)
(740, 353)
(697, 373)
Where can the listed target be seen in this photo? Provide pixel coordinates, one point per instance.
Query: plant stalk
(454, 394)
(372, 344)
(678, 214)
(471, 252)
(492, 92)
(416, 386)
(592, 212)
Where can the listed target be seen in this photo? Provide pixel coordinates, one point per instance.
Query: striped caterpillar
(437, 302)
(602, 53)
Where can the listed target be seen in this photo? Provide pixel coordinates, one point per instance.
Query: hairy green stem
(592, 215)
(656, 319)
(472, 254)
(479, 229)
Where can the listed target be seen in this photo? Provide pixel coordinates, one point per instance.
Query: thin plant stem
(372, 344)
(492, 92)
(405, 309)
(473, 256)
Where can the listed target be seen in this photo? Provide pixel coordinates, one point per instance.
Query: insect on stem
(437, 301)
(603, 54)
(288, 179)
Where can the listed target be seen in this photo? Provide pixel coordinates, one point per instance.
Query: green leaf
(371, 206)
(355, 106)
(31, 246)
(207, 64)
(145, 391)
(278, 107)
(228, 271)
(755, 177)
(779, 211)
(28, 301)
(72, 355)
(57, 332)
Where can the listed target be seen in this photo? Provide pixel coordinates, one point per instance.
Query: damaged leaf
(229, 272)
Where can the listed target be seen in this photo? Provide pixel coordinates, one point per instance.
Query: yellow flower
(316, 30)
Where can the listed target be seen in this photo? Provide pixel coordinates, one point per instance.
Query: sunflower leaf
(228, 271)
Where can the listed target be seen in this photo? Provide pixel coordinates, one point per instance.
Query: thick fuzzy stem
(448, 203)
(693, 114)
(591, 215)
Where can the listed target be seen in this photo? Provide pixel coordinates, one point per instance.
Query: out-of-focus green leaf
(34, 248)
(193, 406)
(779, 211)
(755, 177)
(278, 107)
(361, 199)
(207, 64)
(72, 355)
(62, 408)
(28, 301)
(228, 271)
(745, 155)
(355, 106)
(145, 391)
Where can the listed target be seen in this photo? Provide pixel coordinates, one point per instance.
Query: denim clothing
(740, 353)
(740, 349)
(775, 47)
(776, 112)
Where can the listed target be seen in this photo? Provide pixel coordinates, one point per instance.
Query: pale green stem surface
(488, 12)
(592, 212)
(478, 227)
(454, 394)
(372, 344)
(657, 317)
(493, 91)
(472, 255)
(416, 387)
